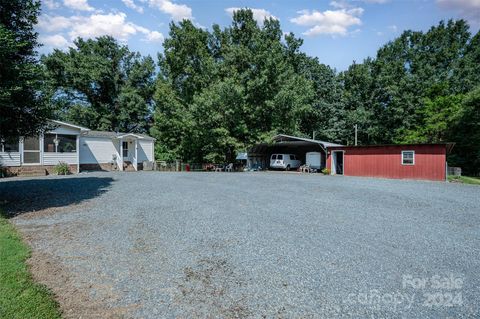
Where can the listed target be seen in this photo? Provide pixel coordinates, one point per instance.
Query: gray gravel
(262, 245)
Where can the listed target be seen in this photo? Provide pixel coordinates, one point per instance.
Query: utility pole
(356, 134)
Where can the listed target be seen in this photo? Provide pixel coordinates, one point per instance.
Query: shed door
(337, 168)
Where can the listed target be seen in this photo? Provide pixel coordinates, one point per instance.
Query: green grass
(465, 179)
(20, 296)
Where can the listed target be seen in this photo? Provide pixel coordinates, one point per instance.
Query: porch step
(128, 167)
(31, 171)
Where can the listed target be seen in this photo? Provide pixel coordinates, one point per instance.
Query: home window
(59, 143)
(408, 158)
(125, 149)
(9, 145)
(66, 143)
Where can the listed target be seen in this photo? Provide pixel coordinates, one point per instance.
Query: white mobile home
(79, 147)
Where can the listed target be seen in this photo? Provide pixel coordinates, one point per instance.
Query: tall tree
(102, 84)
(186, 60)
(231, 88)
(22, 111)
(360, 105)
(466, 134)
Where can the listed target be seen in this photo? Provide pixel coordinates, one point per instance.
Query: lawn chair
(229, 167)
(219, 168)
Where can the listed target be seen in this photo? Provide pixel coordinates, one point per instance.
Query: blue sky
(337, 32)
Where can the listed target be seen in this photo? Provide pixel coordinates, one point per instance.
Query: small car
(285, 161)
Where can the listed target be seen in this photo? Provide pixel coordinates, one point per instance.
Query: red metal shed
(412, 161)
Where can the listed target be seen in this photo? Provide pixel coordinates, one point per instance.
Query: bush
(61, 169)
(326, 171)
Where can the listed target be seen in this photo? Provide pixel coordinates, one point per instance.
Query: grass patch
(465, 179)
(20, 296)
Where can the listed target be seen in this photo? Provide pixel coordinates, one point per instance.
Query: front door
(31, 150)
(125, 150)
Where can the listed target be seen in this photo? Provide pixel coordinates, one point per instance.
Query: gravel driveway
(256, 245)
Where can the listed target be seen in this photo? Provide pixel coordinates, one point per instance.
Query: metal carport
(259, 154)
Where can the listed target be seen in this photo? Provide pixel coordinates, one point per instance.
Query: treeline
(216, 92)
(223, 90)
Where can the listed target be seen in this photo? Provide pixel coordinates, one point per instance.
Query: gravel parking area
(253, 245)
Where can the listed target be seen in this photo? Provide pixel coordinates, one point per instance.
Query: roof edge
(448, 145)
(324, 143)
(81, 128)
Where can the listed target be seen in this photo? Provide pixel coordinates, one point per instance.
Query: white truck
(284, 161)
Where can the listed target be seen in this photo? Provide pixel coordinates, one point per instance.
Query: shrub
(61, 169)
(326, 171)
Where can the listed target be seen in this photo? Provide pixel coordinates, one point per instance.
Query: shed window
(408, 157)
(59, 143)
(9, 145)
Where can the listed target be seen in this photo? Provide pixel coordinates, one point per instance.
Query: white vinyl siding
(145, 151)
(94, 150)
(10, 159)
(55, 158)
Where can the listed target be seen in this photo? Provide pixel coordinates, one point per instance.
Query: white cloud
(81, 5)
(132, 5)
(341, 4)
(153, 36)
(95, 25)
(55, 41)
(393, 28)
(178, 12)
(349, 4)
(258, 14)
(51, 4)
(468, 9)
(333, 22)
(53, 23)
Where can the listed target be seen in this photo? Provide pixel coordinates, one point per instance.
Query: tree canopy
(22, 112)
(101, 84)
(230, 88)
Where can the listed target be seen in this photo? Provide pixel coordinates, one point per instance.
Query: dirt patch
(73, 297)
(207, 290)
(74, 301)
